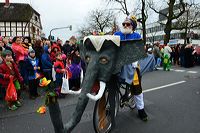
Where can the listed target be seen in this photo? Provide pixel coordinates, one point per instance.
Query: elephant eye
(103, 60)
(87, 59)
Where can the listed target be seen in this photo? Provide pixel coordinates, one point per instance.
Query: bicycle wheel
(131, 103)
(102, 115)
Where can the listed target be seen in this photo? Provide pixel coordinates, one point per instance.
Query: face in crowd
(18, 40)
(1, 43)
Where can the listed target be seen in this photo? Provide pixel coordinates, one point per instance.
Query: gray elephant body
(100, 66)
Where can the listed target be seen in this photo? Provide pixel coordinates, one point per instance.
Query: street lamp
(70, 28)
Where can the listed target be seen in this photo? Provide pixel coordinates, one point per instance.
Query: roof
(16, 12)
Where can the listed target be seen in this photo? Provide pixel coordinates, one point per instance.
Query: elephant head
(104, 56)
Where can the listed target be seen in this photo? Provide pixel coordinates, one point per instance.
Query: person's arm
(58, 68)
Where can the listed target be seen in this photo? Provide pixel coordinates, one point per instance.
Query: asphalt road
(172, 101)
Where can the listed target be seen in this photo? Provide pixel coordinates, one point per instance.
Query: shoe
(142, 114)
(18, 104)
(12, 107)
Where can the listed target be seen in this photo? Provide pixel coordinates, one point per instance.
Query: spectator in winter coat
(60, 70)
(47, 63)
(32, 66)
(20, 55)
(3, 45)
(39, 50)
(9, 69)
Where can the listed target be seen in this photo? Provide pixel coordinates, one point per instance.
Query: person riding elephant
(131, 72)
(104, 57)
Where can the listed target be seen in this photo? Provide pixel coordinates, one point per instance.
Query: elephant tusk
(100, 93)
(74, 92)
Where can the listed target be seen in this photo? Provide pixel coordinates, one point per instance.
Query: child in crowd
(9, 69)
(60, 70)
(32, 66)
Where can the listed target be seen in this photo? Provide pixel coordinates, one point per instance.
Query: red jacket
(5, 70)
(20, 52)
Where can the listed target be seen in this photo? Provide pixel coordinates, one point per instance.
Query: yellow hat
(42, 110)
(44, 82)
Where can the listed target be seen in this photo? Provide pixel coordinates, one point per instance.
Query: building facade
(19, 19)
(155, 31)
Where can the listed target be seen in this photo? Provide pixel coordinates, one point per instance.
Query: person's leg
(31, 89)
(35, 91)
(140, 106)
(138, 97)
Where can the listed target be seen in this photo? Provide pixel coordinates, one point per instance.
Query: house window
(36, 18)
(33, 29)
(38, 32)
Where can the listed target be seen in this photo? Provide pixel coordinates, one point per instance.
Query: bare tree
(123, 6)
(170, 15)
(189, 20)
(84, 30)
(140, 6)
(98, 21)
(101, 20)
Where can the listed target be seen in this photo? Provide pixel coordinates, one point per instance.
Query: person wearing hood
(32, 66)
(47, 63)
(54, 50)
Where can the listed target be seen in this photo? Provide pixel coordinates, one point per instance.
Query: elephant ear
(129, 52)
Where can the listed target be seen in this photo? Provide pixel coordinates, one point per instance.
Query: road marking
(164, 86)
(179, 70)
(192, 72)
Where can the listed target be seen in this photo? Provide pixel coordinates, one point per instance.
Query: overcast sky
(62, 13)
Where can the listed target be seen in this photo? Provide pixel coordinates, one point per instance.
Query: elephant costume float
(104, 56)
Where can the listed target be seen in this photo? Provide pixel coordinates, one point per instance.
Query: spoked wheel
(128, 102)
(131, 103)
(102, 115)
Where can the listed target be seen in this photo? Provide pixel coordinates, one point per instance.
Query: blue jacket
(46, 61)
(29, 65)
(133, 36)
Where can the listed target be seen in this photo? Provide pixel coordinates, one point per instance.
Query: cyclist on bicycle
(131, 73)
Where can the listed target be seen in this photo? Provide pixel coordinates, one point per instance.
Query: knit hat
(132, 19)
(6, 52)
(31, 50)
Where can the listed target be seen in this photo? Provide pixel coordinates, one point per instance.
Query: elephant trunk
(54, 111)
(56, 117)
(87, 84)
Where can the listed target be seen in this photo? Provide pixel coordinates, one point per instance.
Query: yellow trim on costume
(135, 77)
